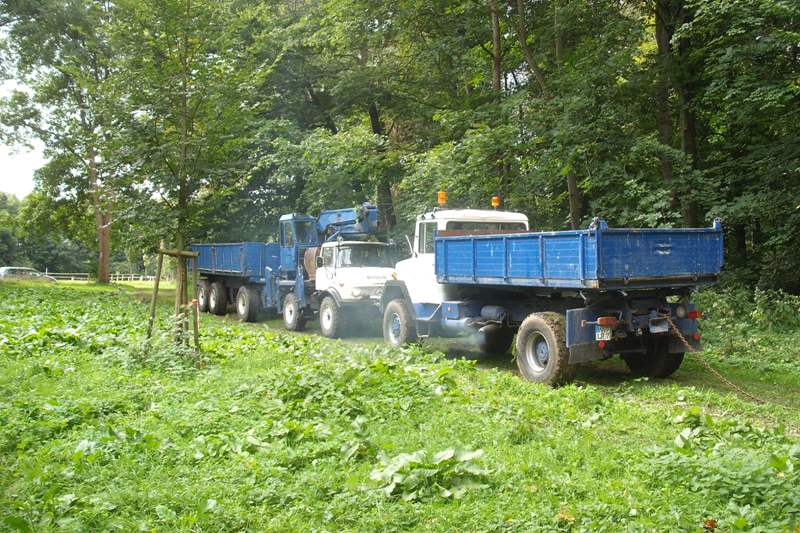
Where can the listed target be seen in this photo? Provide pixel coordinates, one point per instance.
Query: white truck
(413, 299)
(348, 279)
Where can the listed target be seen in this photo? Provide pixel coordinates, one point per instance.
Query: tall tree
(60, 50)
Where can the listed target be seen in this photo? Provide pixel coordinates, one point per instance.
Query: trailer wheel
(247, 304)
(202, 295)
(398, 324)
(542, 353)
(657, 362)
(218, 298)
(293, 317)
(495, 340)
(331, 318)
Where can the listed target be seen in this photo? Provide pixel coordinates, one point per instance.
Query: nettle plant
(421, 476)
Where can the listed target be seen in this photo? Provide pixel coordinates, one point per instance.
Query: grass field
(280, 432)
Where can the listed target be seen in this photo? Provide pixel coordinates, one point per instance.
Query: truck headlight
(680, 311)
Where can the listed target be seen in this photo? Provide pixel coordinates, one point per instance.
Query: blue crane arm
(353, 222)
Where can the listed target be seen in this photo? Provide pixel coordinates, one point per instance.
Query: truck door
(326, 274)
(418, 272)
(288, 253)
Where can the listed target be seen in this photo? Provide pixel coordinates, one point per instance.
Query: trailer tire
(332, 322)
(203, 288)
(542, 353)
(293, 317)
(495, 340)
(398, 324)
(247, 304)
(218, 298)
(657, 362)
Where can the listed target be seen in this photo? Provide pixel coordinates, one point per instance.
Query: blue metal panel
(598, 257)
(425, 311)
(348, 223)
(653, 253)
(244, 259)
(459, 309)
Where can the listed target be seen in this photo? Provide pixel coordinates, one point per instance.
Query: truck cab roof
(296, 216)
(329, 244)
(477, 215)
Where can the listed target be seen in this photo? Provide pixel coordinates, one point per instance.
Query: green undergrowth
(757, 330)
(278, 432)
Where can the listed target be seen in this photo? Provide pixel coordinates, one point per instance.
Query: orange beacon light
(441, 198)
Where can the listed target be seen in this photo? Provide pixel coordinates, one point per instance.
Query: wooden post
(196, 325)
(155, 295)
(196, 276)
(181, 297)
(186, 310)
(196, 302)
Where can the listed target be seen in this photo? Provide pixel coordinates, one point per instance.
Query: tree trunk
(183, 183)
(326, 117)
(557, 36)
(669, 15)
(740, 241)
(384, 187)
(527, 52)
(689, 147)
(497, 53)
(575, 201)
(663, 40)
(102, 221)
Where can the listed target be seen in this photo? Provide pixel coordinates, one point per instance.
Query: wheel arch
(333, 294)
(396, 290)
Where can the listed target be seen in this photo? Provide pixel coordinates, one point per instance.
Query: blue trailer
(277, 277)
(568, 296)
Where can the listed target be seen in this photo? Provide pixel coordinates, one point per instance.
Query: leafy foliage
(275, 431)
(420, 476)
(212, 118)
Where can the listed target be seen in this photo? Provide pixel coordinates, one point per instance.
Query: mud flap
(583, 353)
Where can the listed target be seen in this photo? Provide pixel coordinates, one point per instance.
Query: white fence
(131, 277)
(115, 278)
(71, 276)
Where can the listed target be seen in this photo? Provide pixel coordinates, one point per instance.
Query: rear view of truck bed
(596, 258)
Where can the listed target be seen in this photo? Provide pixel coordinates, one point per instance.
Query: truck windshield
(306, 232)
(364, 255)
(485, 226)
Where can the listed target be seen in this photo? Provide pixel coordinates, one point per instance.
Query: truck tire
(495, 340)
(398, 324)
(247, 304)
(203, 288)
(542, 353)
(218, 298)
(331, 318)
(657, 362)
(293, 317)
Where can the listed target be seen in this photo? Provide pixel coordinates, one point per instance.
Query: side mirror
(320, 262)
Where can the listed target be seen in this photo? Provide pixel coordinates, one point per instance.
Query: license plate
(602, 333)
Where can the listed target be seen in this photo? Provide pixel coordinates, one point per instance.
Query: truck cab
(298, 232)
(348, 280)
(418, 272)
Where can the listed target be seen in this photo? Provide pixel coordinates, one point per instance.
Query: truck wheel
(398, 324)
(657, 362)
(202, 295)
(293, 317)
(218, 298)
(331, 318)
(542, 353)
(247, 304)
(495, 340)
